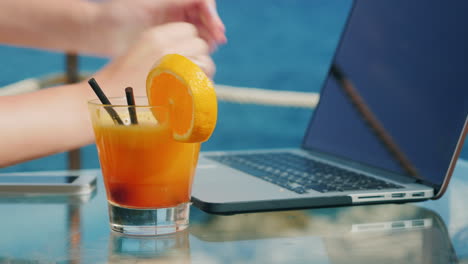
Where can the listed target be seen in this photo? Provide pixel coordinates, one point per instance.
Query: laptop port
(371, 197)
(418, 194)
(398, 195)
(418, 223)
(398, 225)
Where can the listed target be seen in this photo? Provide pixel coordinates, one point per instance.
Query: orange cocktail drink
(144, 169)
(142, 165)
(148, 149)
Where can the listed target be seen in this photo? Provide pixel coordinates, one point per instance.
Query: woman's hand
(115, 25)
(131, 68)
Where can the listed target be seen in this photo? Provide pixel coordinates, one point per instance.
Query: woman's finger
(203, 31)
(209, 17)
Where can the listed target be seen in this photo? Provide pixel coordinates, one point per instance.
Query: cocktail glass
(147, 174)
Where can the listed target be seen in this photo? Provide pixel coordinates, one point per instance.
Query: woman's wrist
(103, 31)
(87, 20)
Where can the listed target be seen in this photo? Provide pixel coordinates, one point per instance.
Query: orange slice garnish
(177, 81)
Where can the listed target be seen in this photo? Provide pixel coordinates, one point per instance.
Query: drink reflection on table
(367, 234)
(173, 248)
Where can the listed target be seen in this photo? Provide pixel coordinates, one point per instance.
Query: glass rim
(96, 102)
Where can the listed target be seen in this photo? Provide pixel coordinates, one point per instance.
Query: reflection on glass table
(38, 228)
(160, 249)
(373, 234)
(60, 230)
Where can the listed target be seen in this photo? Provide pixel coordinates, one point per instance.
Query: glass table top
(75, 230)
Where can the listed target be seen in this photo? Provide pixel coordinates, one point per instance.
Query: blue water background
(277, 44)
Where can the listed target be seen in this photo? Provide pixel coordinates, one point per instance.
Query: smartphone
(48, 182)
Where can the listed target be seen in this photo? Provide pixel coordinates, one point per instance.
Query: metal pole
(72, 76)
(74, 163)
(74, 233)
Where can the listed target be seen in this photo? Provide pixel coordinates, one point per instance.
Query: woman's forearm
(49, 24)
(49, 121)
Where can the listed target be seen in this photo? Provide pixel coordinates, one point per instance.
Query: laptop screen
(396, 97)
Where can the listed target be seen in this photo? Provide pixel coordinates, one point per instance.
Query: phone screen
(37, 179)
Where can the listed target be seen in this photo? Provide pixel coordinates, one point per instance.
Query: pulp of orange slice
(178, 82)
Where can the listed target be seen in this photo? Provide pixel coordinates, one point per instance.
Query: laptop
(389, 126)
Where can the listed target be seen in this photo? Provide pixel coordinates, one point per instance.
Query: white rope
(224, 92)
(266, 97)
(24, 86)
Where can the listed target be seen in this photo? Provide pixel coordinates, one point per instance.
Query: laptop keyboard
(300, 174)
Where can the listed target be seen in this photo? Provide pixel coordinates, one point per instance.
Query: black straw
(103, 98)
(131, 102)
